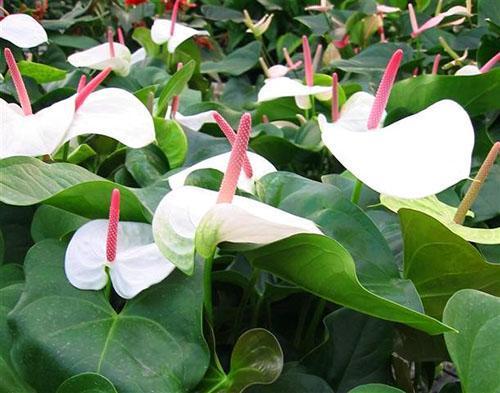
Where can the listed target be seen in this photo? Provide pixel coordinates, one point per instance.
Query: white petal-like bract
(99, 58)
(417, 156)
(115, 113)
(138, 264)
(160, 33)
(286, 87)
(22, 30)
(260, 167)
(468, 70)
(195, 122)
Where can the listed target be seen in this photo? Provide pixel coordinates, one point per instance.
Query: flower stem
(311, 330)
(65, 152)
(356, 191)
(207, 288)
(476, 185)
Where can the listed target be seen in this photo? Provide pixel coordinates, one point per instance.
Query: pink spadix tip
(491, 63)
(173, 20)
(111, 42)
(308, 67)
(175, 99)
(90, 87)
(231, 137)
(335, 97)
(238, 153)
(114, 218)
(384, 90)
(435, 64)
(121, 39)
(413, 20)
(21, 91)
(81, 83)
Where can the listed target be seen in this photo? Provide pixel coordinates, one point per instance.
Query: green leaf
(440, 263)
(81, 153)
(15, 226)
(172, 141)
(73, 41)
(27, 181)
(42, 73)
(87, 383)
(317, 23)
(357, 350)
(220, 13)
(50, 222)
(174, 87)
(375, 388)
(323, 267)
(293, 381)
(147, 346)
(257, 358)
(477, 93)
(237, 62)
(146, 165)
(475, 350)
(143, 36)
(444, 214)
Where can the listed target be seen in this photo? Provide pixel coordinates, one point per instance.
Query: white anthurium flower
(129, 255)
(193, 122)
(260, 168)
(277, 71)
(417, 156)
(188, 212)
(22, 30)
(99, 58)
(286, 87)
(475, 70)
(112, 112)
(175, 34)
(138, 56)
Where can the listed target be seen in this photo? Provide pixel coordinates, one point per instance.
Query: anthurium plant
(237, 196)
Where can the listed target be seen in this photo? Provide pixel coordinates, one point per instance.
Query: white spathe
(37, 134)
(22, 30)
(115, 113)
(138, 56)
(99, 58)
(139, 263)
(243, 221)
(160, 33)
(417, 156)
(277, 71)
(286, 87)
(260, 167)
(193, 122)
(112, 112)
(468, 70)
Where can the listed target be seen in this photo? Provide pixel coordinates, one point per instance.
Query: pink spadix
(384, 90)
(81, 83)
(114, 218)
(289, 62)
(231, 136)
(175, 11)
(90, 87)
(121, 40)
(435, 64)
(22, 94)
(307, 61)
(491, 63)
(175, 100)
(111, 43)
(413, 20)
(238, 154)
(335, 97)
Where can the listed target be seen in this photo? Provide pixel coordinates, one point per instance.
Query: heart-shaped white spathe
(186, 209)
(138, 265)
(99, 58)
(160, 33)
(22, 30)
(417, 156)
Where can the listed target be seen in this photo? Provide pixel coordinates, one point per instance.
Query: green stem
(302, 321)
(244, 300)
(256, 312)
(107, 288)
(65, 152)
(356, 191)
(313, 326)
(207, 288)
(313, 106)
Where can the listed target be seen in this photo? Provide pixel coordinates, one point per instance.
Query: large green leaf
(477, 94)
(28, 181)
(154, 343)
(236, 63)
(357, 350)
(50, 222)
(15, 224)
(87, 383)
(440, 263)
(174, 87)
(146, 165)
(42, 73)
(475, 350)
(375, 388)
(172, 141)
(323, 267)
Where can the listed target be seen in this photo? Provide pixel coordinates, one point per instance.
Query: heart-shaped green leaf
(87, 383)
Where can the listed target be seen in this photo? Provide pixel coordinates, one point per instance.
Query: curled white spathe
(417, 156)
(260, 167)
(99, 58)
(138, 264)
(22, 30)
(160, 33)
(468, 70)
